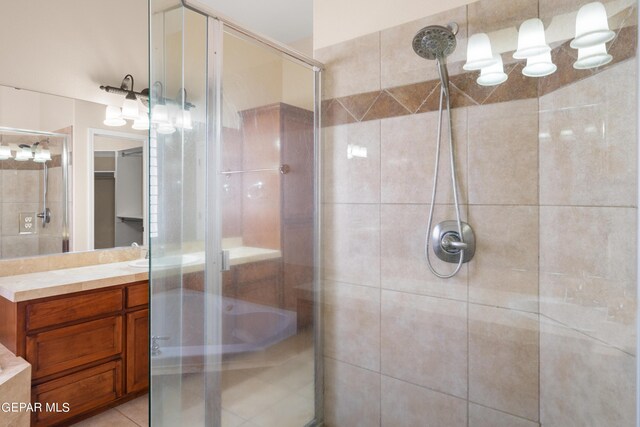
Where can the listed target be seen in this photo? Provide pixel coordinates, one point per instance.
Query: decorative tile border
(425, 96)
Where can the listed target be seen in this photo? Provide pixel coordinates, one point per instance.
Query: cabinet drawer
(60, 349)
(69, 309)
(83, 391)
(138, 295)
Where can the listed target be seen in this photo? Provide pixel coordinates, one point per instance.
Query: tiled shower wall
(540, 327)
(22, 190)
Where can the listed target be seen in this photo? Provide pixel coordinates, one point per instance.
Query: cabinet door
(81, 392)
(137, 350)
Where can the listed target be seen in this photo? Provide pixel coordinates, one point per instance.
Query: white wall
(335, 21)
(71, 47)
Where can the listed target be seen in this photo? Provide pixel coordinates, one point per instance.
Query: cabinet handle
(285, 169)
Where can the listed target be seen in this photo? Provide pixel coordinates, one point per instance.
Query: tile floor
(271, 388)
(134, 413)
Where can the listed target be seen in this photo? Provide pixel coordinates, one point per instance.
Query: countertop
(30, 286)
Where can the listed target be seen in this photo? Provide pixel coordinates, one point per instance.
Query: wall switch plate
(28, 223)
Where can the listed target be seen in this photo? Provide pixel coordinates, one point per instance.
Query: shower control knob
(447, 244)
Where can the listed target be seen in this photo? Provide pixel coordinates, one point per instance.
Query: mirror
(119, 188)
(94, 198)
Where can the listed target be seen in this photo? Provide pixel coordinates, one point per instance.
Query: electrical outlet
(28, 223)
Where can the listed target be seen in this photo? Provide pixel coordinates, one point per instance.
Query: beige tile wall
(539, 329)
(22, 192)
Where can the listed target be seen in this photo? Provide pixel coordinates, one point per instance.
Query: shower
(452, 241)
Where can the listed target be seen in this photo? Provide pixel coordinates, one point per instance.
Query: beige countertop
(24, 287)
(30, 286)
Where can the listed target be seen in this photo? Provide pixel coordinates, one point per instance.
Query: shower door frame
(216, 25)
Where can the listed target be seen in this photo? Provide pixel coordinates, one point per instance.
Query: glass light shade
(24, 154)
(130, 109)
(113, 117)
(494, 74)
(141, 123)
(160, 114)
(592, 57)
(479, 53)
(183, 120)
(166, 128)
(42, 156)
(539, 66)
(592, 26)
(531, 39)
(5, 152)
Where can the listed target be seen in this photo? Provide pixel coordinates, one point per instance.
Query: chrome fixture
(447, 243)
(437, 42)
(155, 347)
(456, 243)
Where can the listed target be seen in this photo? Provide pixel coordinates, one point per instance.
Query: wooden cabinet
(89, 349)
(278, 196)
(82, 391)
(57, 350)
(137, 351)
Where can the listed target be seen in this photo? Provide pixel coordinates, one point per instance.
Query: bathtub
(245, 327)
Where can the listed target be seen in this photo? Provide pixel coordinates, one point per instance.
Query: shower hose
(444, 96)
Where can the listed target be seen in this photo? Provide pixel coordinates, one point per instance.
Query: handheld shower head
(437, 42)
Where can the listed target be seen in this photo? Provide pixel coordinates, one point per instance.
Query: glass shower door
(233, 214)
(266, 184)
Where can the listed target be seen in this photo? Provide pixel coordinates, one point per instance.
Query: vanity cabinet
(88, 349)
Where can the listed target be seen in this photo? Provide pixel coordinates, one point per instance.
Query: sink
(140, 263)
(167, 261)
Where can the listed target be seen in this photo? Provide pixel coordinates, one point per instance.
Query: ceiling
(286, 21)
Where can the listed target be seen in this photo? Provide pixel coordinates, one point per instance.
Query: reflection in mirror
(33, 206)
(119, 190)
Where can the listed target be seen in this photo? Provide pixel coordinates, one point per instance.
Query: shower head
(435, 41)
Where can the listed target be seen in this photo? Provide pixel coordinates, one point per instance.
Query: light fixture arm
(144, 94)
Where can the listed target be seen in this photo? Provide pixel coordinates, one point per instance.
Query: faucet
(155, 347)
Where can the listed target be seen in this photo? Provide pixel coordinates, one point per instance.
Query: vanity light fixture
(42, 152)
(142, 122)
(113, 117)
(479, 54)
(531, 40)
(592, 26)
(493, 74)
(5, 151)
(160, 112)
(165, 117)
(592, 57)
(183, 115)
(539, 66)
(130, 104)
(24, 153)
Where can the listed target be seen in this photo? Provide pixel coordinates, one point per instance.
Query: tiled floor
(134, 413)
(271, 388)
